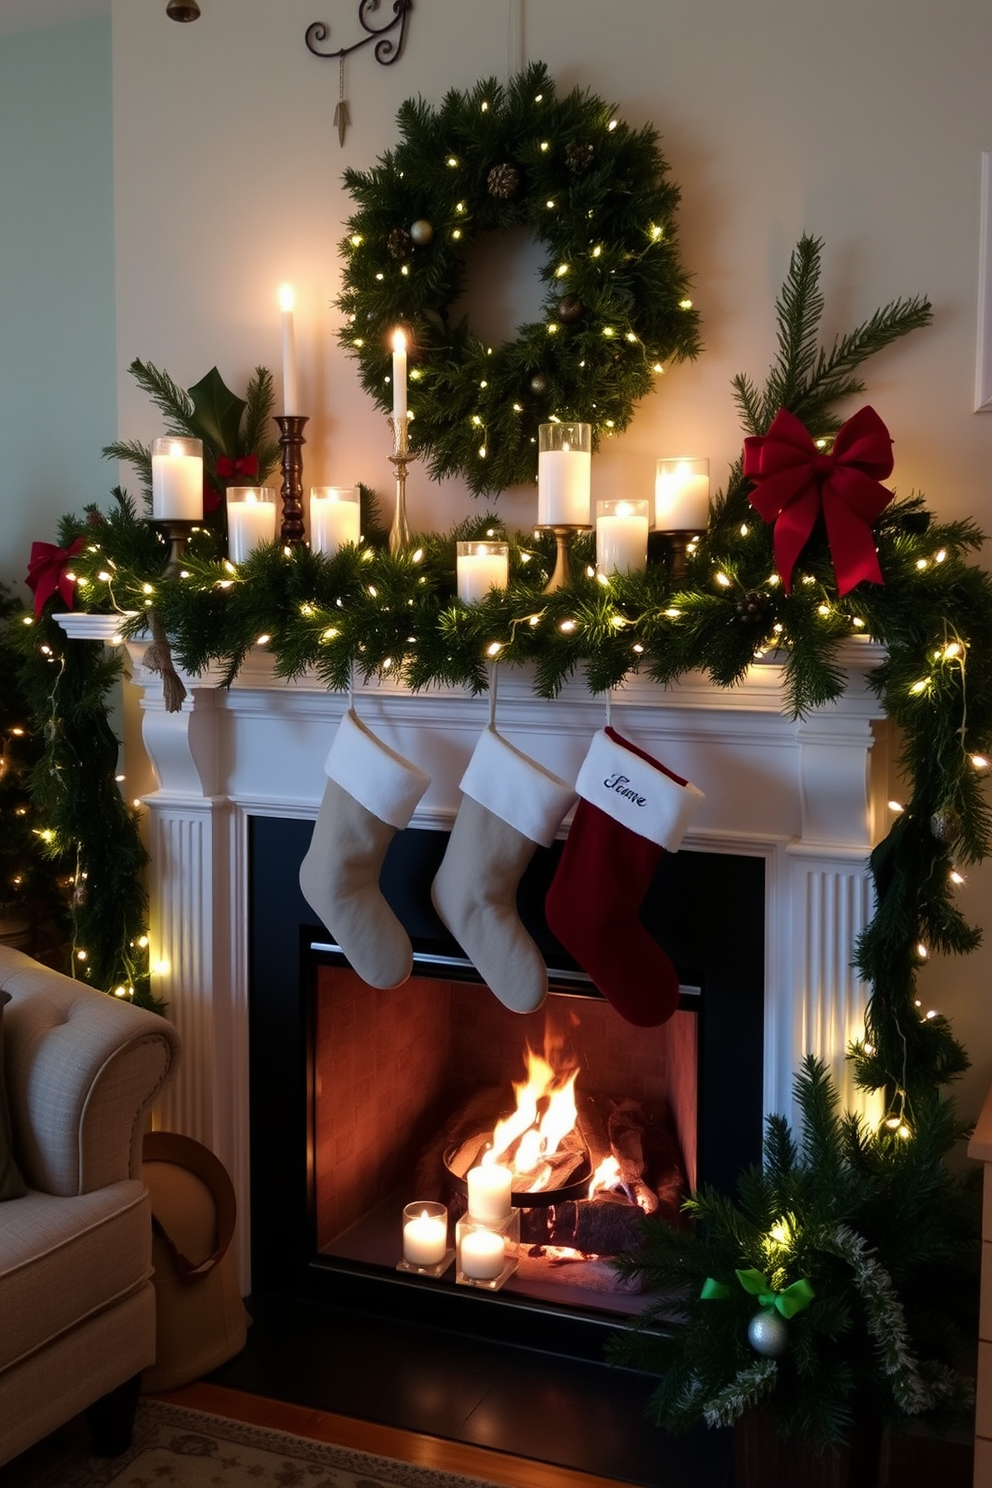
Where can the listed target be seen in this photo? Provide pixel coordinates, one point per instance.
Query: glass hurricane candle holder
(335, 518)
(251, 519)
(177, 479)
(621, 536)
(425, 1239)
(682, 494)
(564, 475)
(480, 567)
(487, 1253)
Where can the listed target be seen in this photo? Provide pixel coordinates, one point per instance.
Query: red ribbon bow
(243, 465)
(794, 482)
(47, 573)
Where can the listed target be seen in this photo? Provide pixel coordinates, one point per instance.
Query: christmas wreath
(594, 192)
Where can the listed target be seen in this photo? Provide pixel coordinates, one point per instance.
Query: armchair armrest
(82, 1069)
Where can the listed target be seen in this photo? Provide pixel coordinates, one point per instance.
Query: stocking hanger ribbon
(790, 1300)
(794, 482)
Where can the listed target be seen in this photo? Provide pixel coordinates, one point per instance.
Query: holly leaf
(218, 413)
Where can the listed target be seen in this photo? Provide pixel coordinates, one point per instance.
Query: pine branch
(166, 394)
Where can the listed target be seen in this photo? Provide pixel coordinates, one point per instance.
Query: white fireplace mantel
(801, 794)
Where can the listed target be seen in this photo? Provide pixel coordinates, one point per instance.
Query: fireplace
(797, 800)
(351, 1087)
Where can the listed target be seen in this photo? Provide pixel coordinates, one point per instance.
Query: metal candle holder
(399, 532)
(562, 572)
(291, 442)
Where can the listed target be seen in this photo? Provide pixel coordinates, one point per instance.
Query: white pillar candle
(682, 495)
(399, 375)
(621, 536)
(290, 395)
(425, 1237)
(251, 519)
(335, 518)
(564, 475)
(481, 566)
(489, 1187)
(177, 479)
(482, 1255)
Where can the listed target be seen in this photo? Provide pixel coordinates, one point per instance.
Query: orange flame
(545, 1114)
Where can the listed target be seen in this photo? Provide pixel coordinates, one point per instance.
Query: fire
(545, 1114)
(606, 1176)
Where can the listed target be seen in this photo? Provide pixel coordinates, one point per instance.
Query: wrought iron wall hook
(387, 51)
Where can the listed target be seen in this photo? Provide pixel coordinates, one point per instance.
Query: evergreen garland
(878, 1227)
(368, 612)
(589, 188)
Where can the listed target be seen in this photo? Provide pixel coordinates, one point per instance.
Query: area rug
(178, 1448)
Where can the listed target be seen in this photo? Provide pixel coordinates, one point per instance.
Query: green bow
(788, 1301)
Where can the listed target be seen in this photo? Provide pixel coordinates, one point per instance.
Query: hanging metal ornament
(768, 1334)
(387, 50)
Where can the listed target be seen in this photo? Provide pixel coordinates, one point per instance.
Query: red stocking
(631, 809)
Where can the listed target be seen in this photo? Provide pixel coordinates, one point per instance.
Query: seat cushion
(64, 1259)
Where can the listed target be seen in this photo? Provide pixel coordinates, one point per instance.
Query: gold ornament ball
(421, 232)
(539, 384)
(768, 1334)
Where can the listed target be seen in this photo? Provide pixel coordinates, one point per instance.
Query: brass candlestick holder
(677, 545)
(177, 530)
(291, 442)
(399, 532)
(562, 572)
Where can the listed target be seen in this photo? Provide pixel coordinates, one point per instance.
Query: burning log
(605, 1225)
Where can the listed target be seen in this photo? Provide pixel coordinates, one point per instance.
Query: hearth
(357, 1095)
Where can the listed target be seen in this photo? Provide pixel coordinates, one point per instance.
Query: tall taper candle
(287, 304)
(399, 375)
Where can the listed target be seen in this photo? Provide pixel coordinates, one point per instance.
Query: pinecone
(503, 182)
(945, 824)
(579, 157)
(753, 606)
(399, 243)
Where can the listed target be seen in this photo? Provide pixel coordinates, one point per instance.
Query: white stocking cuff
(636, 793)
(379, 779)
(516, 788)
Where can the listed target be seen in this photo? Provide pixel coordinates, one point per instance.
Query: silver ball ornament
(768, 1334)
(421, 232)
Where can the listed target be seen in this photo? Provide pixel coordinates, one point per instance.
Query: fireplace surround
(799, 797)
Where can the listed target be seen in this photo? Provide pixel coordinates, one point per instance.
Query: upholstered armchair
(77, 1307)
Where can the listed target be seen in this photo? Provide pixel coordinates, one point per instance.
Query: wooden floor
(382, 1441)
(915, 1462)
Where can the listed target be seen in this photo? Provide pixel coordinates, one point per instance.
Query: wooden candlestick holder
(292, 531)
(677, 545)
(177, 530)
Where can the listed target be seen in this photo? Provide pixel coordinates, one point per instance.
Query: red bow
(243, 465)
(794, 482)
(47, 573)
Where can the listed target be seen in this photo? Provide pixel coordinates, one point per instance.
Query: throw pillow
(11, 1182)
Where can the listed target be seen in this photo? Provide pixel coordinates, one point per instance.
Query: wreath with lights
(594, 192)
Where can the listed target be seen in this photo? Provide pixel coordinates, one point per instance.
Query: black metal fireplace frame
(706, 909)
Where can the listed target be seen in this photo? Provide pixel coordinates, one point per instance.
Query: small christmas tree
(837, 1282)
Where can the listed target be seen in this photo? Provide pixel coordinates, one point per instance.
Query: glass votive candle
(251, 519)
(487, 1253)
(481, 566)
(335, 518)
(564, 475)
(682, 495)
(425, 1238)
(177, 479)
(621, 536)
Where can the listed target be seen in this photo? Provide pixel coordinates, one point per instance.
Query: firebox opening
(413, 1085)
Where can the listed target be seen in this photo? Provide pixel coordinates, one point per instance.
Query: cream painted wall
(862, 122)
